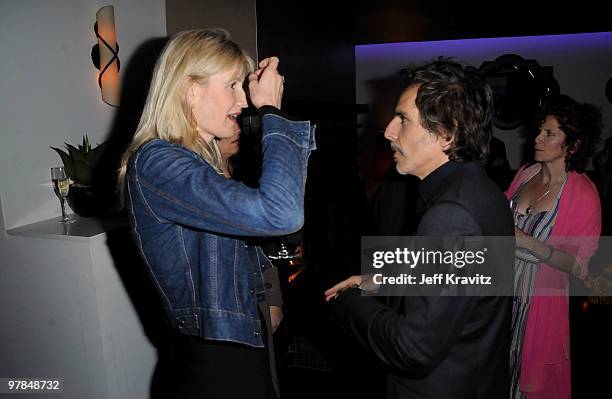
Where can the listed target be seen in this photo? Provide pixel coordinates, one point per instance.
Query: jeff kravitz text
(436, 279)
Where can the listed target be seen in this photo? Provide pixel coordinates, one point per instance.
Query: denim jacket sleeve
(178, 186)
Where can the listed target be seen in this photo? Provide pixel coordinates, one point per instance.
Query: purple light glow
(487, 47)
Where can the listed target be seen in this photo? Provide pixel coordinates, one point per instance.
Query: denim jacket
(192, 226)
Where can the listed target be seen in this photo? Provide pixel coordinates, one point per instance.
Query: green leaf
(71, 149)
(67, 160)
(83, 173)
(63, 154)
(96, 153)
(80, 157)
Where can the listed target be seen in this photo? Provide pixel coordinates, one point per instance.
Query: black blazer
(442, 347)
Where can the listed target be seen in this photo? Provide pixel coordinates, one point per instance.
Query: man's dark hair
(582, 125)
(455, 101)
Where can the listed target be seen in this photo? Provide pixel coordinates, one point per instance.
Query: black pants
(214, 369)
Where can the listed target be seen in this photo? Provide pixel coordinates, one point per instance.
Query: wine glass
(61, 185)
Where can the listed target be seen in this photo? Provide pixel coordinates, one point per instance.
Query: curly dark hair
(454, 100)
(582, 125)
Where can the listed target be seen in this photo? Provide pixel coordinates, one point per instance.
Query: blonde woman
(192, 224)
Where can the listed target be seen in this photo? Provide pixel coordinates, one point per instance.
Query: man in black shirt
(440, 346)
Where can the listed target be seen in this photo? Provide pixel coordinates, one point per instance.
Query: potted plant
(79, 163)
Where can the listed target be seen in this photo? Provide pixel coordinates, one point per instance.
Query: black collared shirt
(433, 183)
(459, 199)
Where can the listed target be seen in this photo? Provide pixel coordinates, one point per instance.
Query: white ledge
(83, 229)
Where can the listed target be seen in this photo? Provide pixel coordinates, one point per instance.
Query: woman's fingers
(253, 77)
(270, 61)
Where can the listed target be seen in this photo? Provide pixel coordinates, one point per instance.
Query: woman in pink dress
(557, 217)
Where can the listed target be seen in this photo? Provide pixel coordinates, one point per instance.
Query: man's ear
(445, 139)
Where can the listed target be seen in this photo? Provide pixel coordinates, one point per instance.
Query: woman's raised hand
(266, 84)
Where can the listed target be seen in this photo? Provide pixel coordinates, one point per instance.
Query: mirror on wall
(520, 88)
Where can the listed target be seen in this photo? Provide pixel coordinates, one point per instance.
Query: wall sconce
(104, 55)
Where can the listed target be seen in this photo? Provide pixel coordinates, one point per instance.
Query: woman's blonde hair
(189, 56)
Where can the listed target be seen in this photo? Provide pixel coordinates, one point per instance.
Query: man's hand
(351, 282)
(266, 84)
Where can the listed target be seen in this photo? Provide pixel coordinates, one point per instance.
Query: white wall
(49, 91)
(582, 66)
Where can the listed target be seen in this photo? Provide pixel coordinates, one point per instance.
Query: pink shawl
(576, 230)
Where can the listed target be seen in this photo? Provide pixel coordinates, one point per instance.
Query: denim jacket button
(252, 291)
(263, 267)
(256, 333)
(181, 323)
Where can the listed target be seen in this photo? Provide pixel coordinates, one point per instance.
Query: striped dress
(538, 225)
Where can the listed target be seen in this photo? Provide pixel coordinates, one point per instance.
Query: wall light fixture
(105, 55)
